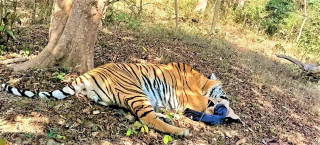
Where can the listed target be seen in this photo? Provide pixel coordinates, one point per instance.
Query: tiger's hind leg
(144, 111)
(95, 97)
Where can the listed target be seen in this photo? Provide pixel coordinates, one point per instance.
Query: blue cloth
(218, 117)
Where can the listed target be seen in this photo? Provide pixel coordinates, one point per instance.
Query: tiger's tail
(56, 94)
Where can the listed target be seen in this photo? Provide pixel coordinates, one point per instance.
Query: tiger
(143, 89)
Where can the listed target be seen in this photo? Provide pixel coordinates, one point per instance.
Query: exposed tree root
(14, 60)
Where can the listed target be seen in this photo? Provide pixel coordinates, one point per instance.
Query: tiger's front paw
(183, 132)
(164, 118)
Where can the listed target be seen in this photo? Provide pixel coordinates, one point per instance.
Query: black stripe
(126, 101)
(138, 108)
(211, 92)
(145, 113)
(64, 93)
(99, 85)
(141, 100)
(210, 103)
(10, 90)
(97, 95)
(135, 74)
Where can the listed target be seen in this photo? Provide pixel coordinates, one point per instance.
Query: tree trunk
(215, 15)
(176, 10)
(72, 35)
(201, 6)
(304, 20)
(1, 11)
(140, 8)
(34, 12)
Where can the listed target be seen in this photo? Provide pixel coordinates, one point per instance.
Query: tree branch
(310, 68)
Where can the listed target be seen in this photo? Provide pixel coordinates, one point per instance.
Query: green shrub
(252, 13)
(310, 38)
(278, 11)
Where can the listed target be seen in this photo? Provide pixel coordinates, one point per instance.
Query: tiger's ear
(213, 77)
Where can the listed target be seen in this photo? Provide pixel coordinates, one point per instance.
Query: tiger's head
(212, 88)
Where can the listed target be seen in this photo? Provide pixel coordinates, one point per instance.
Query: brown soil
(267, 113)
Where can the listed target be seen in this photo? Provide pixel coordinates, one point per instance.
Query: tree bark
(1, 11)
(215, 15)
(201, 6)
(72, 35)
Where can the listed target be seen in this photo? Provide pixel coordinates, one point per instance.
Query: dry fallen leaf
(241, 141)
(96, 112)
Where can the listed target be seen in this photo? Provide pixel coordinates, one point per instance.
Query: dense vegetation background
(275, 19)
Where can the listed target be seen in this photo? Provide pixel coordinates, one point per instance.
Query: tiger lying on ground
(143, 89)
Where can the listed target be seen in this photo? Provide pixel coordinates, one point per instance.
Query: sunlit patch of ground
(29, 124)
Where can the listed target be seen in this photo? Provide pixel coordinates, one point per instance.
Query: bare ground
(272, 100)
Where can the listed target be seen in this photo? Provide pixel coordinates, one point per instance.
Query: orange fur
(127, 85)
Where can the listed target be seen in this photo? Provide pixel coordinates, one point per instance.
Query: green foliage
(8, 18)
(59, 76)
(278, 10)
(131, 131)
(38, 109)
(314, 3)
(111, 17)
(166, 139)
(1, 49)
(53, 135)
(253, 13)
(3, 141)
(282, 19)
(137, 126)
(28, 135)
(95, 127)
(310, 38)
(144, 129)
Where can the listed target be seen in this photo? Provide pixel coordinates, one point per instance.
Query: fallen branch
(14, 60)
(310, 68)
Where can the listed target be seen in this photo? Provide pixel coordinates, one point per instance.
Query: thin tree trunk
(14, 13)
(304, 20)
(176, 11)
(140, 8)
(5, 7)
(215, 15)
(72, 36)
(34, 12)
(1, 12)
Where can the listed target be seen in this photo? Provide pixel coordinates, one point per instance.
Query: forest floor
(274, 101)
